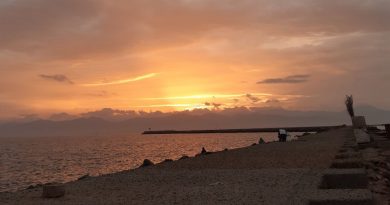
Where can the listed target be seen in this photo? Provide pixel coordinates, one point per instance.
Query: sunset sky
(82, 55)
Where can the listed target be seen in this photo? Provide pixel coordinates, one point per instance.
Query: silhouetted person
(282, 135)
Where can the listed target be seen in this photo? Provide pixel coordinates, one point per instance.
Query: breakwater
(249, 130)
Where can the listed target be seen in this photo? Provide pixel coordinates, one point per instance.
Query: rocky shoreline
(267, 173)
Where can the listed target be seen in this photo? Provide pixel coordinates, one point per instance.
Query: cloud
(177, 105)
(207, 96)
(252, 98)
(76, 29)
(272, 101)
(58, 78)
(343, 42)
(288, 79)
(101, 93)
(110, 114)
(213, 104)
(123, 81)
(62, 116)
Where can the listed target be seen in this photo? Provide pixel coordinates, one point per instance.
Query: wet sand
(273, 173)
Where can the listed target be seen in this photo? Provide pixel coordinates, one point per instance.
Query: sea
(38, 160)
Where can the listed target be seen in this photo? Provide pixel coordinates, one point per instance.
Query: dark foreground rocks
(147, 163)
(53, 190)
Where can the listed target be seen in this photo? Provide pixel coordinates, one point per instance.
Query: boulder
(261, 141)
(184, 157)
(168, 160)
(359, 122)
(361, 136)
(83, 177)
(34, 186)
(53, 190)
(203, 151)
(147, 163)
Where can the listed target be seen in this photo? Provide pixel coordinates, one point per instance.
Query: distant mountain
(373, 115)
(107, 121)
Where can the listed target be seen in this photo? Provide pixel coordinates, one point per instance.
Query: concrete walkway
(274, 173)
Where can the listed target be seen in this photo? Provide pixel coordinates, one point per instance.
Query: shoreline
(140, 165)
(127, 153)
(218, 178)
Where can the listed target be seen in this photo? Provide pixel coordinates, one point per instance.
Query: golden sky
(76, 56)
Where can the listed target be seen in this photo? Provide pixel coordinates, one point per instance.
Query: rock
(83, 177)
(261, 141)
(168, 160)
(377, 177)
(184, 157)
(147, 163)
(380, 189)
(359, 122)
(216, 183)
(34, 186)
(203, 151)
(53, 190)
(226, 149)
(386, 174)
(386, 153)
(254, 144)
(361, 136)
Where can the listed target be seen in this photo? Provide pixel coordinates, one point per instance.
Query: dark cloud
(101, 93)
(272, 101)
(288, 79)
(111, 114)
(75, 29)
(58, 77)
(214, 105)
(252, 98)
(62, 116)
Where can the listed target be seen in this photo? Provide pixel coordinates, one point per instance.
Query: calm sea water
(29, 161)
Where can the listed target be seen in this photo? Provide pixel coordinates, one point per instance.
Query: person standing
(282, 134)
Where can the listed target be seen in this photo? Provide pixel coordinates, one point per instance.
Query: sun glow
(205, 96)
(185, 105)
(123, 81)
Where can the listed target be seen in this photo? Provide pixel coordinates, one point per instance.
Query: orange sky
(76, 56)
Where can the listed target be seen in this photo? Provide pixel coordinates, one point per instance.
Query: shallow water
(29, 161)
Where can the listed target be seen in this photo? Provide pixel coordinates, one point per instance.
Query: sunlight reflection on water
(28, 161)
